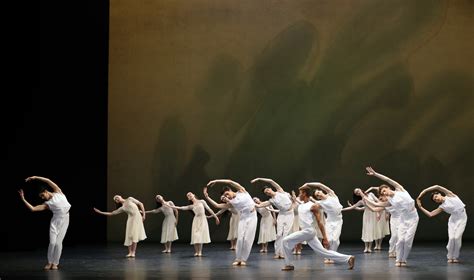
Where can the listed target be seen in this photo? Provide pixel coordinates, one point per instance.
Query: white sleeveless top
(452, 204)
(306, 217)
(243, 203)
(393, 213)
(58, 204)
(282, 201)
(331, 206)
(402, 202)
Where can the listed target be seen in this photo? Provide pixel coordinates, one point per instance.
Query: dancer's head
(356, 195)
(257, 200)
(304, 193)
(159, 201)
(385, 190)
(320, 195)
(191, 196)
(437, 197)
(118, 200)
(229, 194)
(44, 194)
(269, 191)
(383, 198)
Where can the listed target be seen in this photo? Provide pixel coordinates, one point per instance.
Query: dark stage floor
(427, 261)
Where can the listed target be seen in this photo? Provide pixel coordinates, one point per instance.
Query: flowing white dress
(168, 228)
(135, 231)
(267, 231)
(200, 227)
(369, 223)
(233, 224)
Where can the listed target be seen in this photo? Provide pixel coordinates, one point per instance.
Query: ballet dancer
(233, 223)
(242, 202)
(329, 202)
(57, 202)
(309, 214)
(267, 231)
(200, 227)
(402, 202)
(135, 231)
(451, 204)
(282, 201)
(168, 228)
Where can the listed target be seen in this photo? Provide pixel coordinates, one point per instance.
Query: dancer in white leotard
(451, 204)
(168, 228)
(57, 202)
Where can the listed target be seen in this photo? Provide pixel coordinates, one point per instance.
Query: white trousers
(406, 233)
(333, 230)
(284, 226)
(456, 226)
(246, 235)
(309, 235)
(393, 235)
(57, 231)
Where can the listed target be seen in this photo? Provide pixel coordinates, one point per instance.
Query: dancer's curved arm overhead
(437, 188)
(269, 181)
(320, 186)
(231, 183)
(395, 184)
(372, 189)
(214, 203)
(37, 208)
(50, 183)
(359, 206)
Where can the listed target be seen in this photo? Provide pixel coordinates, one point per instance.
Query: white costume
(243, 203)
(308, 233)
(394, 221)
(282, 201)
(369, 223)
(59, 205)
(200, 227)
(267, 231)
(456, 224)
(168, 228)
(332, 207)
(233, 224)
(134, 231)
(405, 205)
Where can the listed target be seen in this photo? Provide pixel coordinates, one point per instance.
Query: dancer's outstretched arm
(220, 212)
(319, 220)
(374, 204)
(263, 204)
(47, 181)
(320, 186)
(356, 206)
(32, 208)
(395, 184)
(269, 181)
(231, 183)
(115, 212)
(154, 211)
(213, 203)
(428, 213)
(210, 211)
(175, 212)
(437, 188)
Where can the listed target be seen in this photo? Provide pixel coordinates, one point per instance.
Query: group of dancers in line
(313, 217)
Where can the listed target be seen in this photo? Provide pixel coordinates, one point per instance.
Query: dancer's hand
(370, 171)
(97, 210)
(205, 192)
(325, 243)
(274, 222)
(418, 202)
(349, 203)
(30, 178)
(22, 194)
(217, 221)
(143, 217)
(255, 180)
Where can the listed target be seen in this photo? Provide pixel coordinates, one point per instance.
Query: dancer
(308, 213)
(451, 204)
(200, 227)
(233, 223)
(267, 231)
(329, 202)
(242, 202)
(282, 201)
(402, 202)
(57, 202)
(168, 228)
(135, 231)
(296, 222)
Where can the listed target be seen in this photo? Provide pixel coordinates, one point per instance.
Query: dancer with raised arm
(329, 202)
(309, 214)
(168, 228)
(401, 202)
(57, 202)
(267, 231)
(451, 204)
(135, 231)
(282, 201)
(200, 227)
(242, 202)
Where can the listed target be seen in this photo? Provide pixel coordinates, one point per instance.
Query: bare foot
(54, 267)
(48, 266)
(236, 263)
(351, 262)
(288, 268)
(243, 264)
(455, 261)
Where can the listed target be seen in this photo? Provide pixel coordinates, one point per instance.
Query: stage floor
(427, 261)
